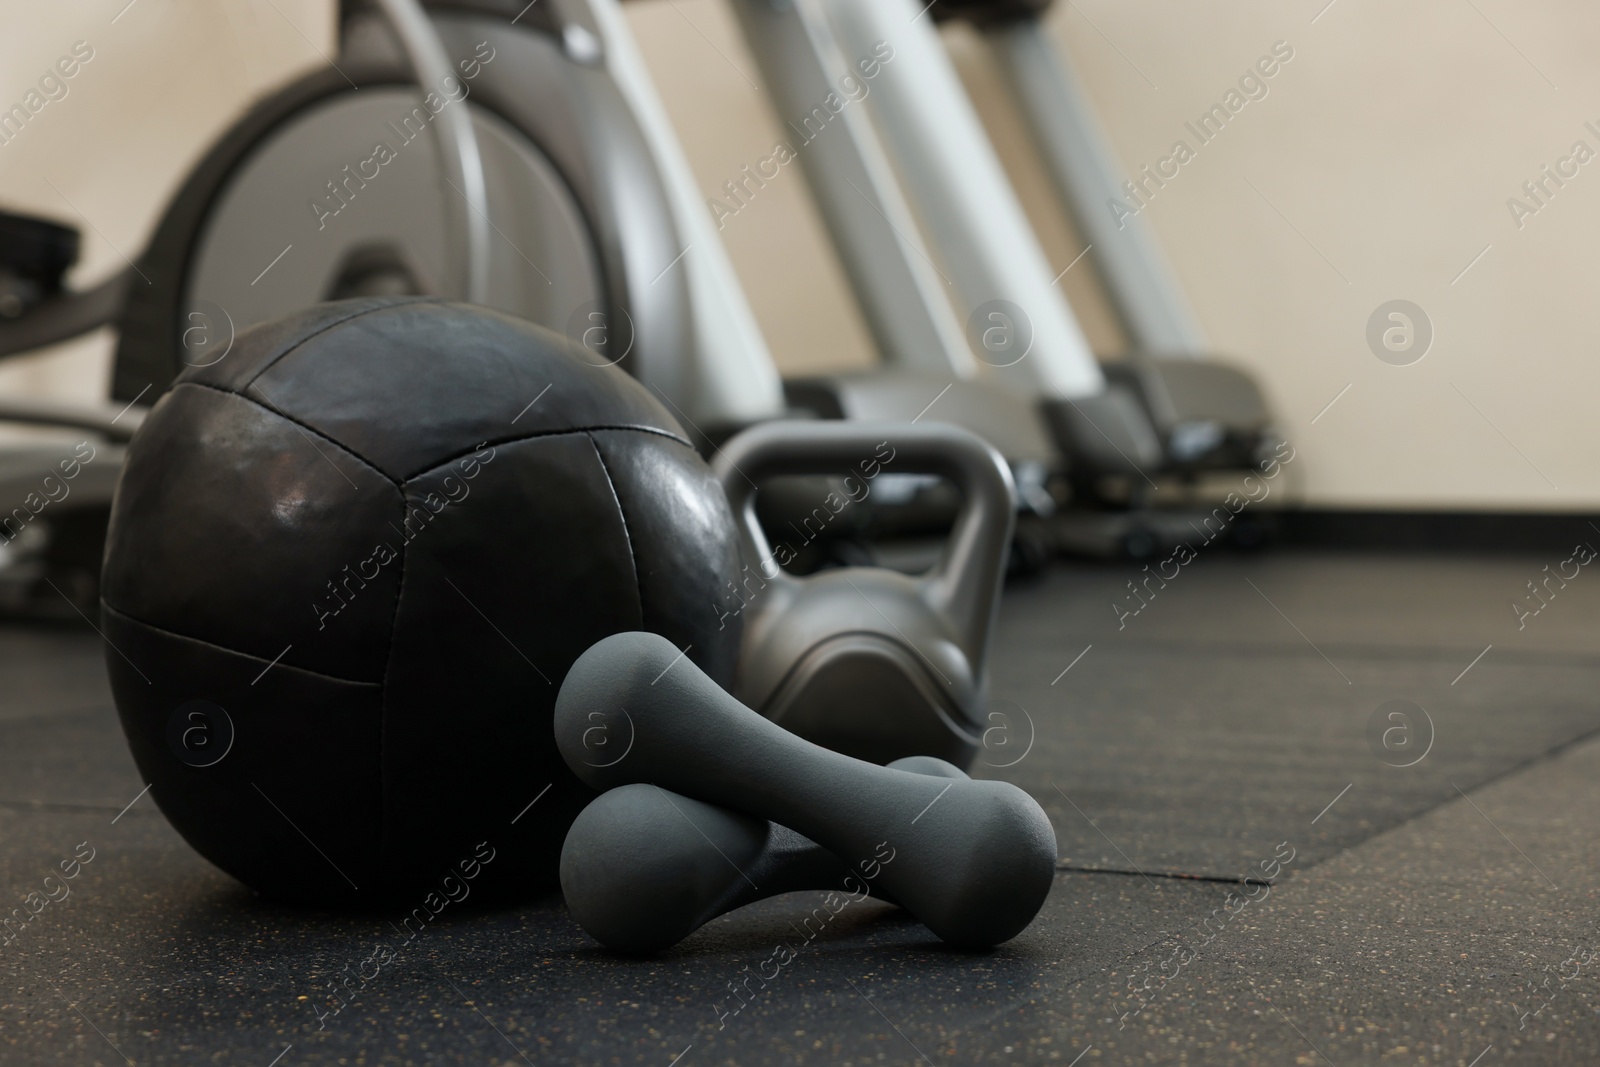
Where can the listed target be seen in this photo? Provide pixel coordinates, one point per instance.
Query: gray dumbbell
(643, 868)
(972, 860)
(865, 660)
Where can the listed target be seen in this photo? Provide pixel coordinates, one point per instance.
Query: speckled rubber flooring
(1445, 912)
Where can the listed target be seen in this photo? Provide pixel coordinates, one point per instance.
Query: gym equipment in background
(348, 567)
(57, 494)
(590, 228)
(643, 868)
(1018, 370)
(1207, 415)
(567, 150)
(865, 660)
(579, 166)
(912, 154)
(1145, 293)
(35, 255)
(972, 860)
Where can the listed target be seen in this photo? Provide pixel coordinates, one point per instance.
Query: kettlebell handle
(964, 585)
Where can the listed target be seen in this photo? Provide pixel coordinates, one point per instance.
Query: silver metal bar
(1087, 174)
(1003, 285)
(458, 143)
(730, 378)
(900, 292)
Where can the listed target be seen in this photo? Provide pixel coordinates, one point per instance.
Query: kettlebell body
(864, 660)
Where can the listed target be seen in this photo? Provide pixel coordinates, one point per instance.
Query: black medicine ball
(349, 565)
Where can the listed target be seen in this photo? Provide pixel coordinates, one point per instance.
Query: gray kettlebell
(865, 660)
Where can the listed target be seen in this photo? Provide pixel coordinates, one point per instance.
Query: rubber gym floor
(1438, 913)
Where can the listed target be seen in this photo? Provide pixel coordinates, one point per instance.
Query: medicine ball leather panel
(682, 577)
(233, 522)
(262, 345)
(398, 367)
(502, 592)
(329, 790)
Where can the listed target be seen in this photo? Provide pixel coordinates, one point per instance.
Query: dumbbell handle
(790, 862)
(643, 868)
(973, 860)
(964, 585)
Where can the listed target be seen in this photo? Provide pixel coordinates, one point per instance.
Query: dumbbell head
(973, 860)
(643, 868)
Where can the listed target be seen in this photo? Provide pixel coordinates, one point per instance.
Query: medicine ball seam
(383, 688)
(627, 532)
(408, 479)
(273, 409)
(384, 305)
(108, 606)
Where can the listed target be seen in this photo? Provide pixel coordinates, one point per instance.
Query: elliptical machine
(575, 225)
(1087, 440)
(496, 152)
(1207, 415)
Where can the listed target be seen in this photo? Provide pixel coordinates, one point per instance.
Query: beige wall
(1381, 160)
(1391, 143)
